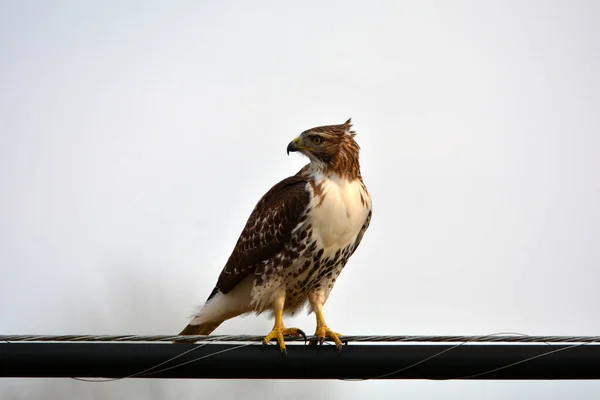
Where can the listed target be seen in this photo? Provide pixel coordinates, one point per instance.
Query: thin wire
(481, 373)
(250, 338)
(201, 358)
(101, 380)
(522, 361)
(472, 339)
(147, 372)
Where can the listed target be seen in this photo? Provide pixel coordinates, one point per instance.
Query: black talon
(284, 351)
(320, 344)
(301, 333)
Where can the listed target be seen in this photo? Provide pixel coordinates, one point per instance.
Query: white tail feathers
(221, 308)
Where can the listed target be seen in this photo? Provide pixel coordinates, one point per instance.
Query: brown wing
(269, 227)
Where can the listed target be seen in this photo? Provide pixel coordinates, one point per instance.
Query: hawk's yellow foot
(323, 332)
(279, 332)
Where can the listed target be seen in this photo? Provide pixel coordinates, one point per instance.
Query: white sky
(136, 137)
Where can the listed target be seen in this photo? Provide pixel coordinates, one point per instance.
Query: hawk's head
(333, 146)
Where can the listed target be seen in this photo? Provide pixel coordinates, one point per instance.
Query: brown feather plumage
(268, 228)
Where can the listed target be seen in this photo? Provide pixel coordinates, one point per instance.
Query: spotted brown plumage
(267, 231)
(297, 239)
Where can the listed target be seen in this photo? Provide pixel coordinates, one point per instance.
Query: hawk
(297, 239)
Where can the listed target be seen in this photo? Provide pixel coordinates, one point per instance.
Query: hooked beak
(294, 146)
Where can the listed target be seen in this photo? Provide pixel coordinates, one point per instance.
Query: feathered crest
(348, 127)
(335, 130)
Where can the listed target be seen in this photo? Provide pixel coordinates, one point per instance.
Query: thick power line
(253, 361)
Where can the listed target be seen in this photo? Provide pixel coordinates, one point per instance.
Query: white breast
(338, 213)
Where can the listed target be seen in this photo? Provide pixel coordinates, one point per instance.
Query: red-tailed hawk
(297, 240)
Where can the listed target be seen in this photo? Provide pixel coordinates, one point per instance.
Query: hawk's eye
(317, 140)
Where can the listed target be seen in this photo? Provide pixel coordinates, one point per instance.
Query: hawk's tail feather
(204, 328)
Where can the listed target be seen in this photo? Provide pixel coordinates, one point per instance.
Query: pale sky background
(136, 137)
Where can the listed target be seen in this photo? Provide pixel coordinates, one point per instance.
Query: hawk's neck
(317, 171)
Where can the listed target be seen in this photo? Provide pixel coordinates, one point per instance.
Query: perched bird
(297, 240)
